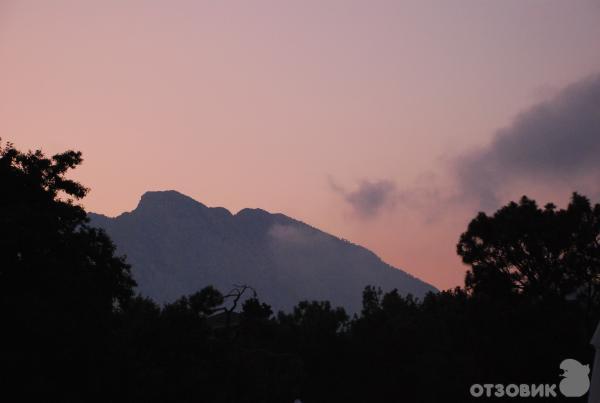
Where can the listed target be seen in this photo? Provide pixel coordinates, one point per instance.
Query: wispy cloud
(369, 198)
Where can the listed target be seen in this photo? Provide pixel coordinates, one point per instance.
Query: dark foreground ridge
(177, 245)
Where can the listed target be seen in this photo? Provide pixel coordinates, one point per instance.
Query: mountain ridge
(177, 245)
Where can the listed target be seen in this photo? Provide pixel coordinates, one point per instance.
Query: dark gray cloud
(369, 198)
(557, 141)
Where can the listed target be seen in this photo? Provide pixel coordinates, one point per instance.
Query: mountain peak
(252, 212)
(167, 198)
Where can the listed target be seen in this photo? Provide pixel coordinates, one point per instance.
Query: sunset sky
(389, 123)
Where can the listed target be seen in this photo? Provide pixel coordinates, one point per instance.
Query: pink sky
(267, 103)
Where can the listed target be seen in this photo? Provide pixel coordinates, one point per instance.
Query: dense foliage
(60, 283)
(73, 331)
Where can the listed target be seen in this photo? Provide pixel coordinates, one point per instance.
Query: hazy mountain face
(177, 246)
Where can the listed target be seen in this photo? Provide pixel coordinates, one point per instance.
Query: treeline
(397, 349)
(73, 329)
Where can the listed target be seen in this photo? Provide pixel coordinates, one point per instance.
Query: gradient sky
(349, 115)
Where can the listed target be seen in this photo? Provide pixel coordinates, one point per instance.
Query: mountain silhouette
(177, 245)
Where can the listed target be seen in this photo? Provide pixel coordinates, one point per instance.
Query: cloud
(557, 141)
(369, 198)
(290, 234)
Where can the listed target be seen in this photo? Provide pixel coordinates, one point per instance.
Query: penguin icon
(575, 382)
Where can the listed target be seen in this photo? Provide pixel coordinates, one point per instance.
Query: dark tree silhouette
(60, 282)
(539, 253)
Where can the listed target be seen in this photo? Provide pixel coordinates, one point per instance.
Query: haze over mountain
(177, 245)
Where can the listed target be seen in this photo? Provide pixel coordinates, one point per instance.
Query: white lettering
(512, 390)
(549, 390)
(476, 390)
